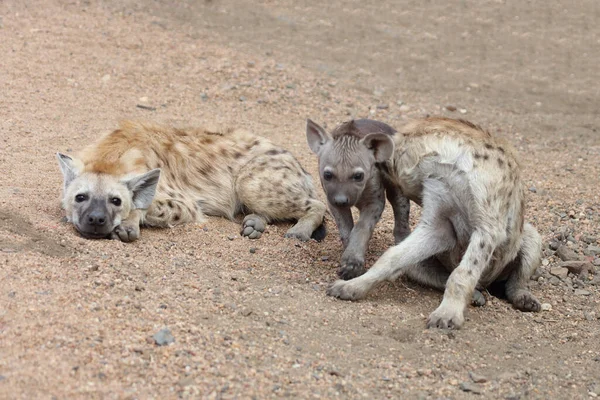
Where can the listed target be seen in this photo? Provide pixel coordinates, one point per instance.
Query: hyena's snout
(95, 224)
(341, 200)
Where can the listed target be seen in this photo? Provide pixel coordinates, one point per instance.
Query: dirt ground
(77, 316)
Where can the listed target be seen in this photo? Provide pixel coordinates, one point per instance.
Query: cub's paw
(346, 290)
(525, 301)
(478, 300)
(446, 318)
(253, 226)
(126, 232)
(401, 234)
(351, 267)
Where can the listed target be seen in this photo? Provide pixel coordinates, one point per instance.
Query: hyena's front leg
(129, 228)
(463, 280)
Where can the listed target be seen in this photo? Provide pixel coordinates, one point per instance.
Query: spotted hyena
(154, 175)
(472, 231)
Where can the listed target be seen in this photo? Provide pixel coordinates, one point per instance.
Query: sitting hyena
(114, 185)
(357, 181)
(469, 185)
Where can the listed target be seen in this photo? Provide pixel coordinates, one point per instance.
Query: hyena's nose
(340, 200)
(96, 218)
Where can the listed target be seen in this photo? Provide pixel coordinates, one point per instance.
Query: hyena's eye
(327, 175)
(358, 176)
(116, 201)
(81, 198)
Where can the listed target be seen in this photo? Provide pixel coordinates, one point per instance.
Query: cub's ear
(68, 169)
(143, 188)
(380, 144)
(316, 136)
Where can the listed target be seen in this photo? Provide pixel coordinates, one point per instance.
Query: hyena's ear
(143, 188)
(316, 136)
(380, 144)
(68, 169)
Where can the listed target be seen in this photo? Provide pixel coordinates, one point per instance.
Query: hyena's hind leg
(522, 268)
(274, 187)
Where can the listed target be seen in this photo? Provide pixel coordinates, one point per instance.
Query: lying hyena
(114, 185)
(354, 179)
(469, 186)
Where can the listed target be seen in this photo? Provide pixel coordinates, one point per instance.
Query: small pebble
(477, 378)
(582, 292)
(546, 307)
(469, 387)
(163, 337)
(252, 250)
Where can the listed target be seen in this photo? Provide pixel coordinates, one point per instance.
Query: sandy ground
(77, 316)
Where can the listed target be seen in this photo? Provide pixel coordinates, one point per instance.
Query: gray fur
(357, 149)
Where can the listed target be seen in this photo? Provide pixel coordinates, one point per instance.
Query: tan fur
(469, 184)
(208, 171)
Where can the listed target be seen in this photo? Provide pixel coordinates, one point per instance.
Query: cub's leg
(344, 222)
(129, 228)
(401, 207)
(274, 187)
(523, 267)
(353, 258)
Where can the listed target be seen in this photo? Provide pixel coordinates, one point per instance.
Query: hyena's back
(218, 171)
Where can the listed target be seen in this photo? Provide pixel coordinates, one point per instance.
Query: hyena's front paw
(126, 232)
(446, 317)
(352, 266)
(298, 232)
(253, 226)
(525, 301)
(346, 290)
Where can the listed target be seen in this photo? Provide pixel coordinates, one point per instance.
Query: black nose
(340, 200)
(96, 218)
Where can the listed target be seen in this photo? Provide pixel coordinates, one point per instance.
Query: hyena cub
(113, 186)
(472, 231)
(350, 163)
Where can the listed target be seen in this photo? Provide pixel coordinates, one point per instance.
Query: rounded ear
(316, 136)
(380, 144)
(143, 188)
(67, 168)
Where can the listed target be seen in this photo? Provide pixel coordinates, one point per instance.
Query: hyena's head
(348, 158)
(97, 203)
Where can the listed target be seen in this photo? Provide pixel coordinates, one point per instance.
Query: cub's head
(347, 159)
(97, 203)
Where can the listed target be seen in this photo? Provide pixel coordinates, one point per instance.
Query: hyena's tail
(320, 233)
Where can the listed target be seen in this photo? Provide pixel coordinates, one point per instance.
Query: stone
(546, 307)
(469, 387)
(163, 337)
(559, 272)
(582, 292)
(566, 254)
(477, 378)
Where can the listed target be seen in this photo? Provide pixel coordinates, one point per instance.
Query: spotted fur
(203, 171)
(472, 231)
